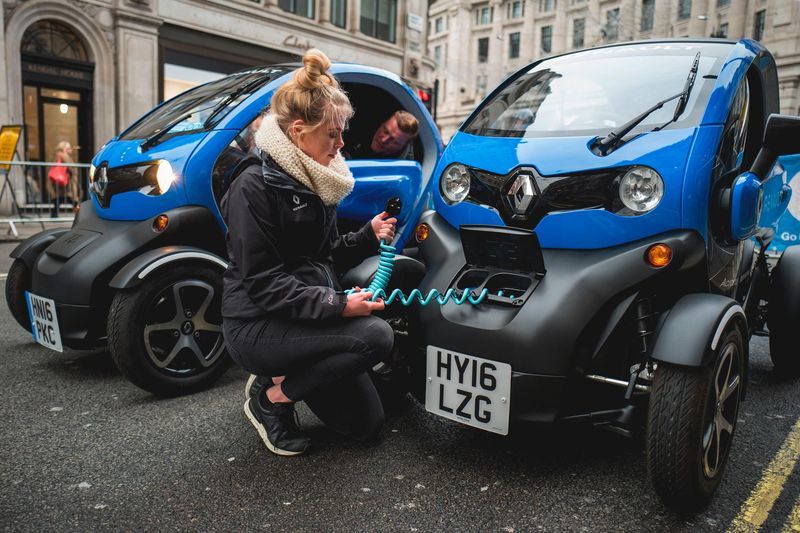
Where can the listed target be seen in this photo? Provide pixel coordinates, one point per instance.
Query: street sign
(415, 22)
(9, 137)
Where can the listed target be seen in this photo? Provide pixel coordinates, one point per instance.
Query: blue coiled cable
(384, 273)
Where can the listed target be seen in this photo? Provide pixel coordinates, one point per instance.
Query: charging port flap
(504, 248)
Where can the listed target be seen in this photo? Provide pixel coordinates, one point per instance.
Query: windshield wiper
(614, 138)
(228, 99)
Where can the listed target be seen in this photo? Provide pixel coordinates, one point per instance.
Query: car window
(734, 135)
(189, 111)
(597, 90)
(231, 160)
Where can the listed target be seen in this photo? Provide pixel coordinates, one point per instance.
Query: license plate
(468, 389)
(44, 322)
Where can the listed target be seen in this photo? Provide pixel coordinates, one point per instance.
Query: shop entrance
(57, 84)
(57, 81)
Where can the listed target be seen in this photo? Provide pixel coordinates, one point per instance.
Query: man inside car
(391, 139)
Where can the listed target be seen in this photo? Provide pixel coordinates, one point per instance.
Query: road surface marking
(755, 510)
(793, 522)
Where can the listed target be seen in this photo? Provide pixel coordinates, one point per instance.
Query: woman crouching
(286, 318)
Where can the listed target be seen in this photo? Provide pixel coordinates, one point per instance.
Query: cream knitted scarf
(331, 183)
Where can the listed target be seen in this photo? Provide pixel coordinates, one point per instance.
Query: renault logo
(296, 199)
(521, 194)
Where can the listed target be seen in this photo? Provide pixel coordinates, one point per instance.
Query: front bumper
(74, 271)
(550, 340)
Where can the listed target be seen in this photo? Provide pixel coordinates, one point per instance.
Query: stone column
(354, 16)
(137, 67)
(324, 11)
(5, 112)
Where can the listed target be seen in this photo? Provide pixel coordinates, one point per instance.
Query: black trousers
(325, 364)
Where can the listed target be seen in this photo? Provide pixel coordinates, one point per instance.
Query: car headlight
(164, 176)
(455, 183)
(92, 168)
(641, 190)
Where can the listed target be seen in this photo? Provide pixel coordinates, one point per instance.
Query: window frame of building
(759, 23)
(648, 15)
(546, 6)
(517, 9)
(684, 9)
(484, 14)
(483, 42)
(612, 15)
(373, 31)
(338, 13)
(576, 42)
(546, 45)
(513, 47)
(481, 81)
(437, 55)
(723, 3)
(438, 25)
(294, 7)
(723, 30)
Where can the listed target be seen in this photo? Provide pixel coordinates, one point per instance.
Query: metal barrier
(41, 199)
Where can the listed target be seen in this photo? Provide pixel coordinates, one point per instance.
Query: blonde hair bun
(314, 73)
(313, 95)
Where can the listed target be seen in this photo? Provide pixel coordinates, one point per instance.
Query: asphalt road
(81, 448)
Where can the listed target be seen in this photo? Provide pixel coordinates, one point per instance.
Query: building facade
(82, 70)
(476, 44)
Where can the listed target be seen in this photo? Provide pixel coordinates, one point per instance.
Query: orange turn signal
(659, 255)
(160, 223)
(422, 232)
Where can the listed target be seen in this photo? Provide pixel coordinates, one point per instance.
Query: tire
(17, 282)
(164, 348)
(783, 313)
(688, 435)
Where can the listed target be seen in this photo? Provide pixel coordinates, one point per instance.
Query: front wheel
(18, 281)
(165, 335)
(783, 313)
(691, 421)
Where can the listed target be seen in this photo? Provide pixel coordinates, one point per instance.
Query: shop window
(51, 38)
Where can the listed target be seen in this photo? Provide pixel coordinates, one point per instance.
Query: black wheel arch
(689, 334)
(144, 265)
(29, 249)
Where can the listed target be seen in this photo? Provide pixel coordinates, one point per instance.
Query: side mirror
(781, 137)
(747, 198)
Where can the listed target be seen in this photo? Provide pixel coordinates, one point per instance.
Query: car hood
(565, 155)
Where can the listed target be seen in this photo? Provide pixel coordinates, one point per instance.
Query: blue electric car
(606, 200)
(141, 267)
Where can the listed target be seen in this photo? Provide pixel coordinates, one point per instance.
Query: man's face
(389, 138)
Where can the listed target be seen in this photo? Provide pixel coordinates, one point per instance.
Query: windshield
(595, 91)
(197, 104)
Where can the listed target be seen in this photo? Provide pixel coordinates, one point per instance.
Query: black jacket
(283, 246)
